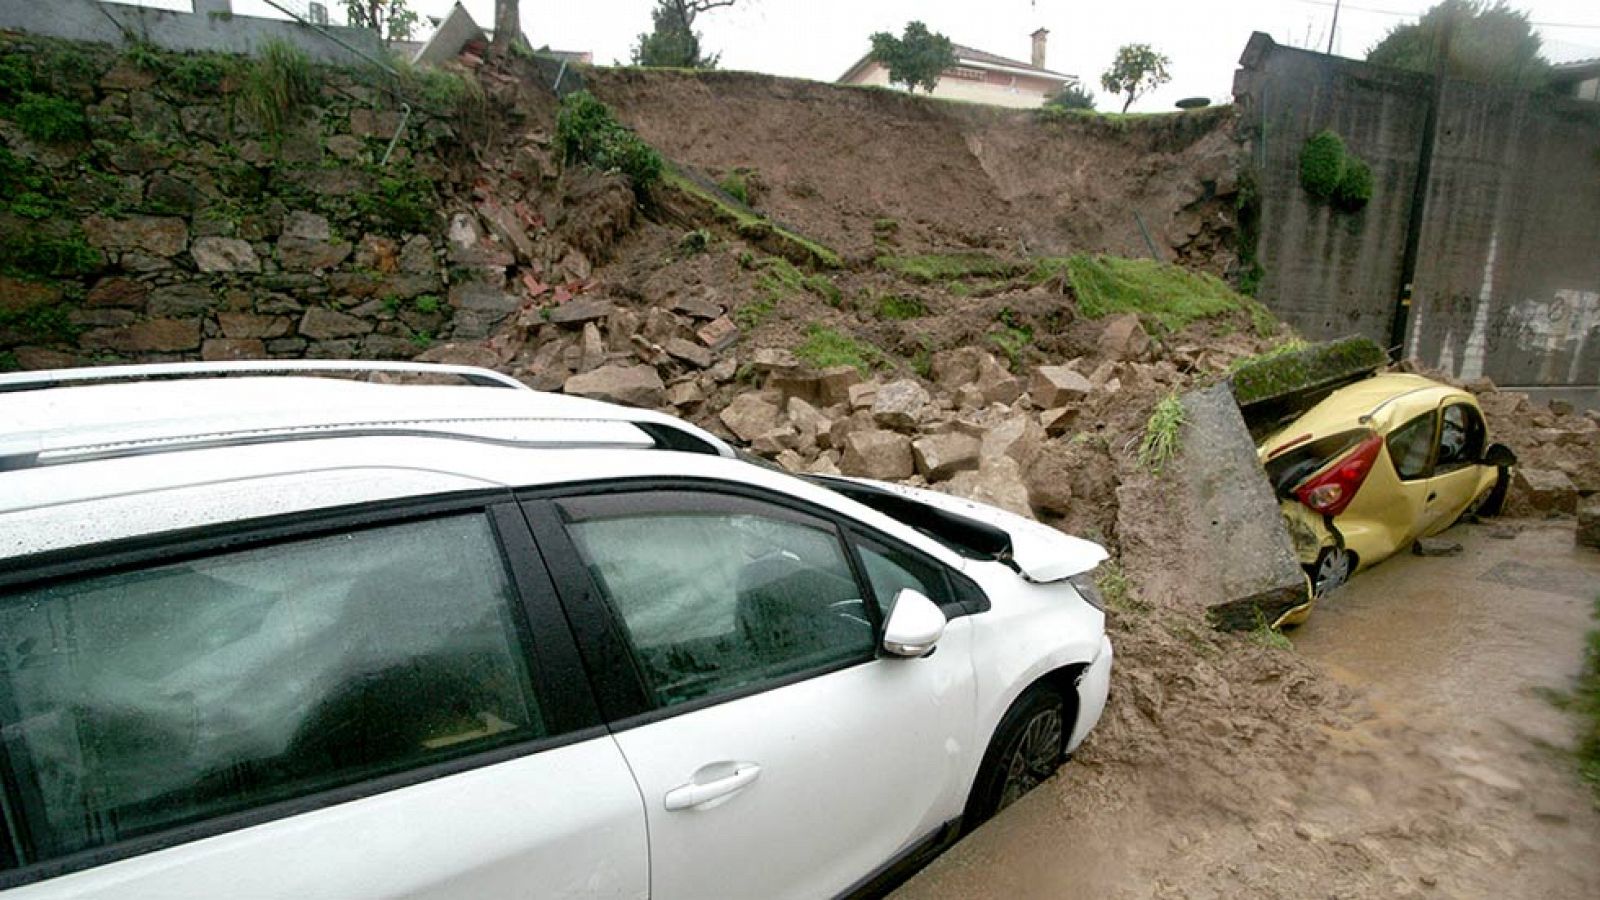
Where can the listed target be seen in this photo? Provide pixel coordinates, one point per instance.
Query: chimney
(1038, 47)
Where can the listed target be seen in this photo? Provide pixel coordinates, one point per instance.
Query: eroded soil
(1413, 751)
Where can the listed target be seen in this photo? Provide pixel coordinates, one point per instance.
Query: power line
(1331, 4)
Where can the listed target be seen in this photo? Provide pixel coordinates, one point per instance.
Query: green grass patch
(1287, 368)
(825, 347)
(734, 185)
(1264, 635)
(1012, 342)
(755, 311)
(899, 307)
(933, 268)
(778, 278)
(48, 324)
(1292, 345)
(1166, 298)
(794, 247)
(1116, 589)
(1163, 434)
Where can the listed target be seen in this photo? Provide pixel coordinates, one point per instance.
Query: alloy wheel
(1034, 758)
(1333, 570)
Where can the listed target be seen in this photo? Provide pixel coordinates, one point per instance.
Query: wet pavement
(1442, 769)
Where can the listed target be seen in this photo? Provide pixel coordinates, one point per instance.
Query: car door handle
(691, 795)
(1432, 497)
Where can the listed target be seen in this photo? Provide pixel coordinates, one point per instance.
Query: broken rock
(1547, 490)
(1124, 337)
(693, 354)
(899, 404)
(997, 483)
(940, 456)
(884, 455)
(749, 416)
(576, 312)
(1054, 386)
(834, 384)
(1589, 523)
(995, 383)
(630, 385)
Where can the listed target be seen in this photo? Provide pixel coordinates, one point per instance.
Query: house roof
(1576, 70)
(979, 59)
(973, 55)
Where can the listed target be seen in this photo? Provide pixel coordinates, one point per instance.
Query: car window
(1411, 446)
(143, 700)
(718, 596)
(1461, 437)
(892, 570)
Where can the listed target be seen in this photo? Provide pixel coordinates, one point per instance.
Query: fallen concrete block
(1238, 530)
(1435, 547)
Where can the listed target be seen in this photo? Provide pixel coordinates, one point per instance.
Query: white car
(267, 633)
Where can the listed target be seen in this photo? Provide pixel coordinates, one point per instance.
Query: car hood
(1040, 553)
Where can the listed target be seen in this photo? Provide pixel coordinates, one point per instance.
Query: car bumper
(1093, 688)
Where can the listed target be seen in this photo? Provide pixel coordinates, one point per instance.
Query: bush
(589, 134)
(278, 86)
(29, 253)
(1355, 187)
(198, 76)
(1322, 162)
(16, 77)
(51, 120)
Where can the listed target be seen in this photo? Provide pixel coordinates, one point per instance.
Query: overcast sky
(820, 38)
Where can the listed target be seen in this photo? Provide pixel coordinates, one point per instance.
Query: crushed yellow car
(1378, 464)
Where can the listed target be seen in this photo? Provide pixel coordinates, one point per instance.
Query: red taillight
(1332, 491)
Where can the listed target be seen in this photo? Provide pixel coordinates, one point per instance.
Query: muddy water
(1433, 769)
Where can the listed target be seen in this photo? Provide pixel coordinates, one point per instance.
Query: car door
(1404, 511)
(1457, 475)
(778, 755)
(327, 707)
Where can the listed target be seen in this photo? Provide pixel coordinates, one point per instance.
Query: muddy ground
(1406, 747)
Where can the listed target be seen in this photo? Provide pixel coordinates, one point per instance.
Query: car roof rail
(55, 378)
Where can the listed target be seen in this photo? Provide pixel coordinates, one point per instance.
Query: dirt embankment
(1224, 767)
(833, 162)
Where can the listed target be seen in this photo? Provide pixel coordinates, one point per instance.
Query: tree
(1073, 96)
(393, 20)
(1486, 42)
(917, 57)
(672, 41)
(507, 26)
(1136, 71)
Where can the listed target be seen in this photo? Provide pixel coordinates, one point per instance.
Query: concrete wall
(1508, 270)
(212, 26)
(1328, 273)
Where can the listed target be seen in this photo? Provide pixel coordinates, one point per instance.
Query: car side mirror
(914, 627)
(1499, 456)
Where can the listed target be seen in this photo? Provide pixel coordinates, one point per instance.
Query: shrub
(1162, 434)
(29, 253)
(588, 133)
(49, 119)
(897, 306)
(276, 88)
(1355, 186)
(198, 76)
(1322, 162)
(734, 185)
(16, 76)
(403, 201)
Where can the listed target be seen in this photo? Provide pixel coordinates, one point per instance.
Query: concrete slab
(1239, 530)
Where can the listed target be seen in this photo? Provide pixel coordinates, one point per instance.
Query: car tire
(1332, 570)
(1494, 501)
(1027, 748)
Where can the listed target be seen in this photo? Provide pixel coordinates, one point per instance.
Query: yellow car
(1377, 465)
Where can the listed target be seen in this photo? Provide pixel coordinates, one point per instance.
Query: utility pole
(1334, 30)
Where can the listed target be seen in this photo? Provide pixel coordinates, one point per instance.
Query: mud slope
(834, 161)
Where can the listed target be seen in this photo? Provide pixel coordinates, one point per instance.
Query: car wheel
(1494, 501)
(1332, 569)
(1028, 747)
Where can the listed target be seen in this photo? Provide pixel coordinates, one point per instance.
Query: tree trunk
(507, 24)
(1127, 103)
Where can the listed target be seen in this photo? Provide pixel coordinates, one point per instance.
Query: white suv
(267, 633)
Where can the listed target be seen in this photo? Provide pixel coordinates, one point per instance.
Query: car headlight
(1088, 590)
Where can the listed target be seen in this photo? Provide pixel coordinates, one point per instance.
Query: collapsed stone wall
(154, 215)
